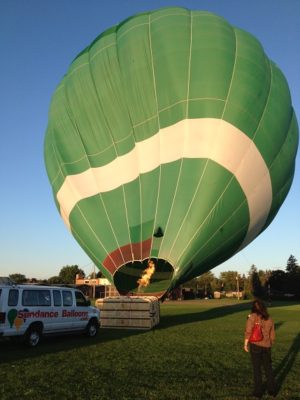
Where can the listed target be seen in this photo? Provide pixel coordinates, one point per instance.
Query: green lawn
(196, 352)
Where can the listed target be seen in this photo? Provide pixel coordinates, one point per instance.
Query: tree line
(67, 275)
(276, 284)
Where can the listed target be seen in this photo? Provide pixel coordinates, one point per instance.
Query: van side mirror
(88, 302)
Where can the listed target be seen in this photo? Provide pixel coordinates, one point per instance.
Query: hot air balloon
(170, 146)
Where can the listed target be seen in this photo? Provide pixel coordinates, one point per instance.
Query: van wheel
(92, 328)
(33, 335)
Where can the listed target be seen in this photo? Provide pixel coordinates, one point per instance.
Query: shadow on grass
(16, 350)
(13, 351)
(278, 325)
(183, 317)
(203, 315)
(282, 370)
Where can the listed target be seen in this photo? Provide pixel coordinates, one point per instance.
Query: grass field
(196, 352)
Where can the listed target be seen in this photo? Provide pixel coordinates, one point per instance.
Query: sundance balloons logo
(14, 320)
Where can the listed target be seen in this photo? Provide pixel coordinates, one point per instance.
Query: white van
(31, 311)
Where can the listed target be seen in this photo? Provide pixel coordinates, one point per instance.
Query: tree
(292, 266)
(99, 274)
(292, 284)
(229, 280)
(54, 280)
(244, 283)
(246, 286)
(18, 278)
(68, 273)
(256, 287)
(206, 283)
(263, 276)
(96, 275)
(277, 280)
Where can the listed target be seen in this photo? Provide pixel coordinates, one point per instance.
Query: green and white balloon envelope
(171, 137)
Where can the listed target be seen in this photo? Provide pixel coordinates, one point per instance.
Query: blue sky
(38, 41)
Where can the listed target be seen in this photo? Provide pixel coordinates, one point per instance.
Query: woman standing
(261, 351)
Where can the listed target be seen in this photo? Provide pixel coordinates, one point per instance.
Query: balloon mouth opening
(149, 277)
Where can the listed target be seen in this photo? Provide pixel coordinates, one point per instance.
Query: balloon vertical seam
(184, 134)
(159, 126)
(186, 116)
(117, 158)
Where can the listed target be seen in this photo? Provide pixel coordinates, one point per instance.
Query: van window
(36, 297)
(13, 297)
(80, 300)
(67, 298)
(57, 298)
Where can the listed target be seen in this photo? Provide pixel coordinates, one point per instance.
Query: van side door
(68, 306)
(59, 324)
(81, 312)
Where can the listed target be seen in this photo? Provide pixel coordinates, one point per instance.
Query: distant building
(98, 288)
(230, 294)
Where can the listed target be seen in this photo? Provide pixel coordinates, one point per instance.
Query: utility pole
(94, 280)
(238, 286)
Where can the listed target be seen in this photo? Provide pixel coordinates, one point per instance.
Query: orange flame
(147, 274)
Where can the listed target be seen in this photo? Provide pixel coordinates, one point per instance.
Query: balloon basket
(129, 312)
